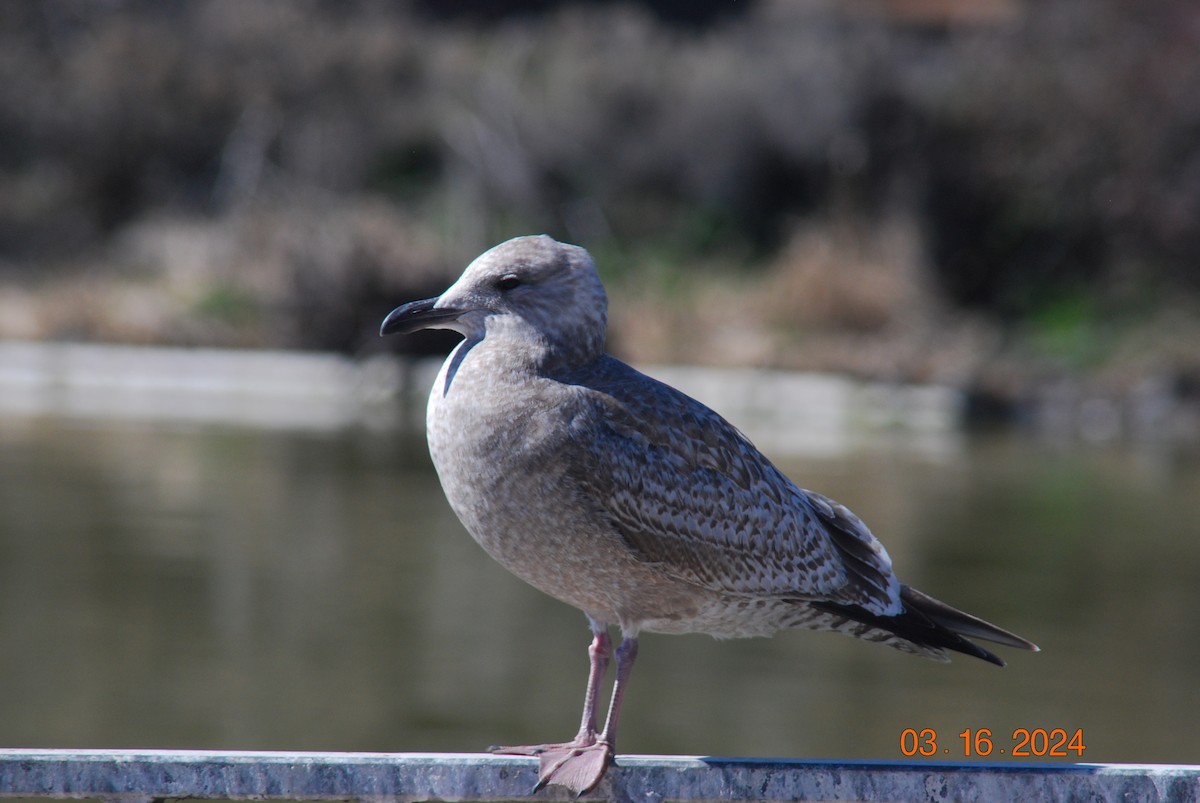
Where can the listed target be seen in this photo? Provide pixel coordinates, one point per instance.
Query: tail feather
(930, 623)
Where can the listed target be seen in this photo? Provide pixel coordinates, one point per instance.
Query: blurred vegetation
(975, 198)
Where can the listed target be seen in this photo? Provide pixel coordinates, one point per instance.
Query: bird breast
(499, 455)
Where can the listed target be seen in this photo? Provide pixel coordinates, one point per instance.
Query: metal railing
(141, 776)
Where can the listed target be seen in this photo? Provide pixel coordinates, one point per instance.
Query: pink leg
(598, 653)
(580, 763)
(581, 766)
(626, 655)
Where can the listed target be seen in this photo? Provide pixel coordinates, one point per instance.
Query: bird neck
(522, 346)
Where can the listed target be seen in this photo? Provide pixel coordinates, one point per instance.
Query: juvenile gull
(623, 497)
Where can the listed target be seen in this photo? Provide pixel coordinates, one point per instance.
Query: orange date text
(981, 742)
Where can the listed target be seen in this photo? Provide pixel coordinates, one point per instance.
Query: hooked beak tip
(415, 316)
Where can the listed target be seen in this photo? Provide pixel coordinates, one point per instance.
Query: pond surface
(229, 588)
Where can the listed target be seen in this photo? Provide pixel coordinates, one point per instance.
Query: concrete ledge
(136, 776)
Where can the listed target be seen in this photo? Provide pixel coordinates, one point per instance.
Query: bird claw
(539, 749)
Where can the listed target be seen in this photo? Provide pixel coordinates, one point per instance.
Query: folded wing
(690, 494)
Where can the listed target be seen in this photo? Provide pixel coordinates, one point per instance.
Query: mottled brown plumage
(632, 501)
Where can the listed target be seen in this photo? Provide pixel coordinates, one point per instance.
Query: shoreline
(808, 413)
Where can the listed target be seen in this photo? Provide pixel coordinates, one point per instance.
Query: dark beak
(416, 315)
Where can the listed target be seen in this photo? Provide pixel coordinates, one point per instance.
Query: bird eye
(507, 283)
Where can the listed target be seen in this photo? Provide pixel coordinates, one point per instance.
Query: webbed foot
(578, 765)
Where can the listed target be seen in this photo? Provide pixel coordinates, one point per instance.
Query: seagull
(633, 502)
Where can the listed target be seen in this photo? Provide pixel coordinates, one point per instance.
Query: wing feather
(690, 494)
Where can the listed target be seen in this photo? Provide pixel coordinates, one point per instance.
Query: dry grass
(794, 186)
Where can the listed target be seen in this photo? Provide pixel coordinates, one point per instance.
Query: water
(233, 588)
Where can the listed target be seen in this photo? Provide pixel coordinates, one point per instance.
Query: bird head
(536, 289)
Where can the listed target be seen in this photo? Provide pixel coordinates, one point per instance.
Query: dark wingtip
(961, 622)
(968, 647)
(930, 623)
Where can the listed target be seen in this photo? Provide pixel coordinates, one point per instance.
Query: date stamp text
(981, 742)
